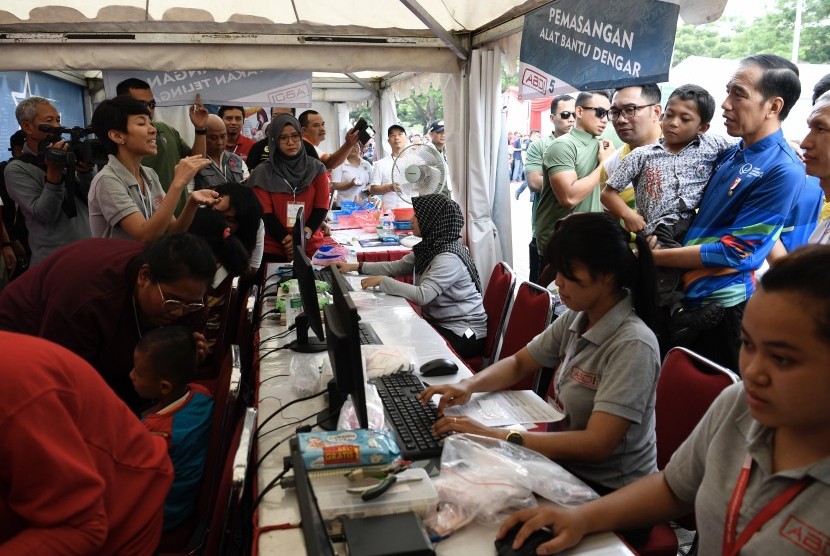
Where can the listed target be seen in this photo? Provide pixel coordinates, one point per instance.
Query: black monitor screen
(310, 318)
(298, 231)
(343, 340)
(315, 534)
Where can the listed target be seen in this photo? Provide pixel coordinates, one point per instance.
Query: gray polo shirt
(705, 468)
(612, 368)
(232, 169)
(114, 195)
(445, 291)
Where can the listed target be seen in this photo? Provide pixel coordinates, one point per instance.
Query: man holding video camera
(44, 183)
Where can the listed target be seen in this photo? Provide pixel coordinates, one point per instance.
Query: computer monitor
(315, 534)
(343, 339)
(310, 317)
(298, 230)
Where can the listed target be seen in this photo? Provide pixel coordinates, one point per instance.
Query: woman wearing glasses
(97, 297)
(126, 199)
(289, 181)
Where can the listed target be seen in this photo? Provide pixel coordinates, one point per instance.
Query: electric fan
(418, 170)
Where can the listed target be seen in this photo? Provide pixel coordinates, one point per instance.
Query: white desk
(396, 324)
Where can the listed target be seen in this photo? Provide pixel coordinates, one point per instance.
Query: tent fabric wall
(487, 189)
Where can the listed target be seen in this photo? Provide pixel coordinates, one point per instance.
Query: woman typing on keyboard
(446, 284)
(606, 353)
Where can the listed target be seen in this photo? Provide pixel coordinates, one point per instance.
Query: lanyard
(731, 547)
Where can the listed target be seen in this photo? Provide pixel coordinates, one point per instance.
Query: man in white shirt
(381, 183)
(438, 139)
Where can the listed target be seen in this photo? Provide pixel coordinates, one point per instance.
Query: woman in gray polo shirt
(126, 199)
(606, 353)
(756, 469)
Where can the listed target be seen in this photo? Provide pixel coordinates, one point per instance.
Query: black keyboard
(325, 275)
(368, 336)
(411, 420)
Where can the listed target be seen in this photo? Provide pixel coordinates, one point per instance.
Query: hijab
(287, 174)
(440, 221)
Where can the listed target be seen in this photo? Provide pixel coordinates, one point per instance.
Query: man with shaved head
(225, 166)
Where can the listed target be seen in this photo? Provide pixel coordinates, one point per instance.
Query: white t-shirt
(362, 173)
(381, 174)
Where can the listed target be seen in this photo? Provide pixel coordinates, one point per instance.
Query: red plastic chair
(497, 298)
(691, 382)
(530, 313)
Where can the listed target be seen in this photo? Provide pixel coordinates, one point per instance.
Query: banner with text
(291, 89)
(573, 45)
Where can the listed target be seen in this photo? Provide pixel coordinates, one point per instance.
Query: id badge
(291, 217)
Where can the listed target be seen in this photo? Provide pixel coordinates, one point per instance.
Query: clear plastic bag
(379, 360)
(305, 375)
(374, 411)
(483, 479)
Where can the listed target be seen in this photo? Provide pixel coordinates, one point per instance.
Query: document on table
(508, 407)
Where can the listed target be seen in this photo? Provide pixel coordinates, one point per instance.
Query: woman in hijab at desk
(289, 181)
(448, 293)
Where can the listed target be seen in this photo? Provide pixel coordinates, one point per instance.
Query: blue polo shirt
(741, 215)
(803, 217)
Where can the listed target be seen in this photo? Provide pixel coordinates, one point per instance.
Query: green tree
(419, 109)
(770, 33)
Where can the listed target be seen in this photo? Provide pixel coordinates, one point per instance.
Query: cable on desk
(270, 351)
(275, 429)
(286, 406)
(279, 335)
(269, 487)
(261, 382)
(301, 428)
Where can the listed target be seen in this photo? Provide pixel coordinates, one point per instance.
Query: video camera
(81, 148)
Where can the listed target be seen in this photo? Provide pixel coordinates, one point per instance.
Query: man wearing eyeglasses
(171, 148)
(571, 167)
(563, 118)
(635, 114)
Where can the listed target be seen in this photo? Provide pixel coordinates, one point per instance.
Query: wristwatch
(515, 437)
(200, 131)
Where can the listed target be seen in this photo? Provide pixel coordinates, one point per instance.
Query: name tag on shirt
(291, 216)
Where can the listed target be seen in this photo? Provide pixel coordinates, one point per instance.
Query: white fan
(418, 170)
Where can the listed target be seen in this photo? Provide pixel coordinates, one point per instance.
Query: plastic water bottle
(293, 304)
(388, 225)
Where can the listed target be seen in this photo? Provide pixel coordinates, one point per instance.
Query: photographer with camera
(44, 183)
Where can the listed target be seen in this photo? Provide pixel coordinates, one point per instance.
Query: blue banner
(574, 45)
(244, 88)
(15, 86)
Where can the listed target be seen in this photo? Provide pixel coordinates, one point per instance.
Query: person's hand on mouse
(568, 527)
(451, 424)
(451, 394)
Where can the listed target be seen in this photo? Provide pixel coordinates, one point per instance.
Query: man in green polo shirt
(571, 168)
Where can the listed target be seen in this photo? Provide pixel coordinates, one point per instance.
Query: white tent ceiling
(320, 35)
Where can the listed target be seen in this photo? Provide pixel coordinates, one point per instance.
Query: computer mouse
(439, 367)
(504, 546)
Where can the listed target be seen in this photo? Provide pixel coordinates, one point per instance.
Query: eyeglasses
(294, 137)
(600, 112)
(151, 104)
(628, 111)
(566, 115)
(174, 305)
